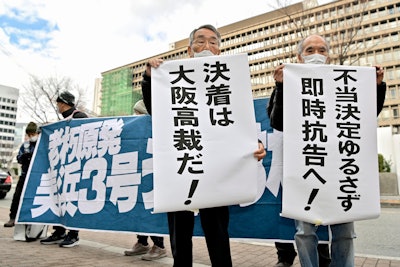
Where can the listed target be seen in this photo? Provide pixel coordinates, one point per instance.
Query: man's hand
(379, 74)
(153, 63)
(260, 153)
(278, 73)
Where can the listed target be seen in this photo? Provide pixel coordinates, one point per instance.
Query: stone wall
(388, 184)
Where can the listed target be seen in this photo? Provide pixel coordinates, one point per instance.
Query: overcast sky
(82, 38)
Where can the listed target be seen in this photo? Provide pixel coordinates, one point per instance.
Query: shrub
(384, 165)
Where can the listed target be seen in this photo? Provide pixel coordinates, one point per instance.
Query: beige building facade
(360, 33)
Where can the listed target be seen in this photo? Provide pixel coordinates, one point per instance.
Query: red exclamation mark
(313, 194)
(193, 187)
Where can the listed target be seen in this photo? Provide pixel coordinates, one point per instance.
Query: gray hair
(301, 43)
(140, 108)
(206, 26)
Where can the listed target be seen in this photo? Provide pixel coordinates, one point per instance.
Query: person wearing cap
(24, 158)
(66, 106)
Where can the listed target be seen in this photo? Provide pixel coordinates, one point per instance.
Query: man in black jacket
(314, 49)
(66, 106)
(203, 41)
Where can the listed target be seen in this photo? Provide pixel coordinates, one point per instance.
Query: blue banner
(96, 174)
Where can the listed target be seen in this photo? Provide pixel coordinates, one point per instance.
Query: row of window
(372, 57)
(290, 33)
(358, 8)
(6, 115)
(9, 146)
(354, 18)
(10, 123)
(4, 107)
(290, 40)
(387, 56)
(7, 138)
(5, 130)
(7, 100)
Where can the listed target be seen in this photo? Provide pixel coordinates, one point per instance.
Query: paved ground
(106, 249)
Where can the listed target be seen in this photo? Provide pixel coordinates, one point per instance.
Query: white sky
(82, 38)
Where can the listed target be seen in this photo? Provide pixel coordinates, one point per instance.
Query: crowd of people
(206, 41)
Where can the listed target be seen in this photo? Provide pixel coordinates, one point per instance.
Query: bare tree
(343, 30)
(39, 97)
(296, 23)
(346, 33)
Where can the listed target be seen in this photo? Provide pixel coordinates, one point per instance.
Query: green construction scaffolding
(117, 94)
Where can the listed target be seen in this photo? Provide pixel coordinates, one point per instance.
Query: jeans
(342, 248)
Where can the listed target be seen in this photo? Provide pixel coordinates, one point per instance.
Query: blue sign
(96, 173)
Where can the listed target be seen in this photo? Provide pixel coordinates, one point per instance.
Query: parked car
(5, 183)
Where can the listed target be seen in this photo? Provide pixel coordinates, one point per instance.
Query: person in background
(66, 106)
(139, 108)
(314, 49)
(157, 251)
(24, 158)
(203, 41)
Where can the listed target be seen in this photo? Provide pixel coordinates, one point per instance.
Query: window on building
(379, 58)
(397, 73)
(385, 114)
(395, 113)
(392, 92)
(389, 74)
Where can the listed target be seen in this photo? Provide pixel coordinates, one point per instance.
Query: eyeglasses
(201, 42)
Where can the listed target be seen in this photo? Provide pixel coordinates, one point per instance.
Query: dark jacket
(25, 155)
(275, 105)
(76, 114)
(146, 92)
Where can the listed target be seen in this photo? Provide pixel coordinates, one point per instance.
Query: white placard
(204, 133)
(330, 164)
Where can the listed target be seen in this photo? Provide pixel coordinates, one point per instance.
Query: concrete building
(8, 117)
(360, 33)
(96, 101)
(117, 95)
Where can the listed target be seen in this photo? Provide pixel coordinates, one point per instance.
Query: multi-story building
(8, 118)
(96, 108)
(117, 94)
(19, 136)
(361, 33)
